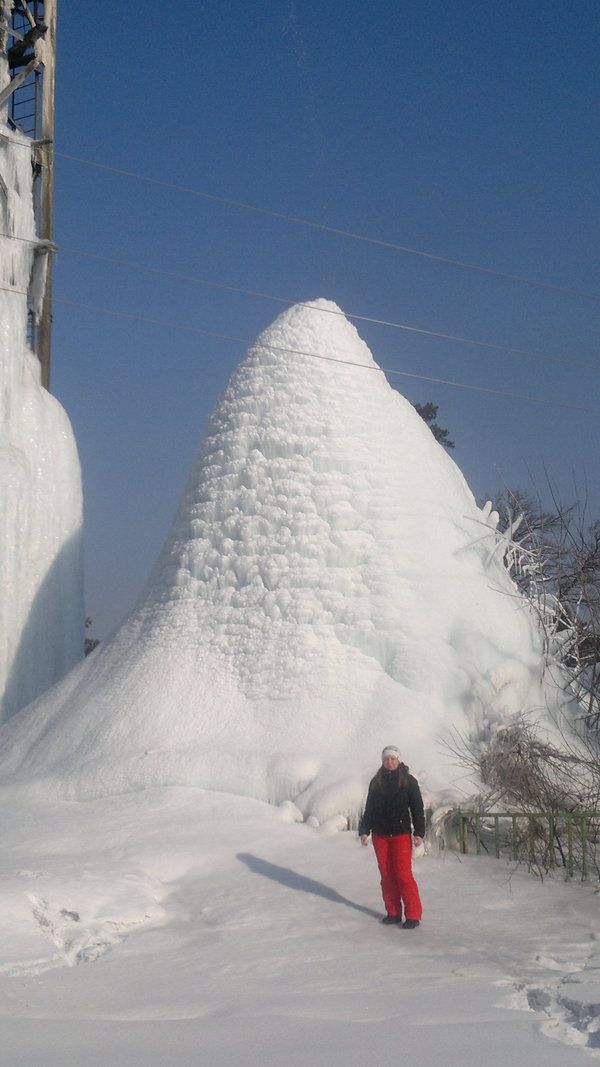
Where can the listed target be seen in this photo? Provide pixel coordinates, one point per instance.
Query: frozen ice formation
(327, 587)
(41, 579)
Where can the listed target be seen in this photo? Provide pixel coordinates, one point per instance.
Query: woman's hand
(364, 839)
(417, 841)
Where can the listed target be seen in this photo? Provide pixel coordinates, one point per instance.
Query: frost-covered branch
(554, 560)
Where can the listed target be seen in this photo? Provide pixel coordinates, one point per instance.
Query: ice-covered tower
(328, 587)
(41, 598)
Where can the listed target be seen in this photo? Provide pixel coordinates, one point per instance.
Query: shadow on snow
(293, 880)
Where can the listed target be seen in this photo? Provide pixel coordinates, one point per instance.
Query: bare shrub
(552, 789)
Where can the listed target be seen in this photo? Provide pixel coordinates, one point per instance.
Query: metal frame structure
(31, 52)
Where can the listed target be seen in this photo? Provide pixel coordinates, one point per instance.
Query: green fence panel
(576, 825)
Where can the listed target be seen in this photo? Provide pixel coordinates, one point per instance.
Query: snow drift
(41, 583)
(326, 588)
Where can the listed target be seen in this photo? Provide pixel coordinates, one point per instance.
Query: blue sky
(467, 130)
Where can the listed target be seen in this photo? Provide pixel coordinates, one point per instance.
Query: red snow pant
(398, 887)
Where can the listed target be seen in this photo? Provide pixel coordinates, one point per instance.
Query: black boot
(410, 924)
(389, 919)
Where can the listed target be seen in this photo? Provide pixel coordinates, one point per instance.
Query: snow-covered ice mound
(326, 588)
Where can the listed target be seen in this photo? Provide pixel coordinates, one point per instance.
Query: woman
(395, 807)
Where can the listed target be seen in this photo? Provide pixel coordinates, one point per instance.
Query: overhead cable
(289, 302)
(11, 289)
(336, 230)
(331, 359)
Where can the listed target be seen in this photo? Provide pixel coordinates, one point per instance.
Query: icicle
(39, 270)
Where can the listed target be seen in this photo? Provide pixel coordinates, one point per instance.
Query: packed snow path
(182, 927)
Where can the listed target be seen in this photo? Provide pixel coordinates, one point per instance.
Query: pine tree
(428, 413)
(90, 643)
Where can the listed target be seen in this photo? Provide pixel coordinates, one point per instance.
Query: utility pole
(29, 96)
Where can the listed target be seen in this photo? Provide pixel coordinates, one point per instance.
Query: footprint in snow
(75, 942)
(555, 965)
(566, 1018)
(568, 1003)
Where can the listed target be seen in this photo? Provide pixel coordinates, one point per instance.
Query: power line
(289, 302)
(330, 359)
(10, 289)
(337, 231)
(457, 338)
(24, 240)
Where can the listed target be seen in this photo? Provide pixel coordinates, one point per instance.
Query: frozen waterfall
(41, 595)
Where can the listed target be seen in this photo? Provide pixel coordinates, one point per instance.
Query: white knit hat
(391, 750)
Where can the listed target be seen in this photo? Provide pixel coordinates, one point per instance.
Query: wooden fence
(547, 838)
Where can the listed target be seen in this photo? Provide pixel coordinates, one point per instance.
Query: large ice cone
(326, 588)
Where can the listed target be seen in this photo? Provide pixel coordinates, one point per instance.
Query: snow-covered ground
(178, 926)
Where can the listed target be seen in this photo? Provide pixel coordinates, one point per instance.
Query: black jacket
(394, 803)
